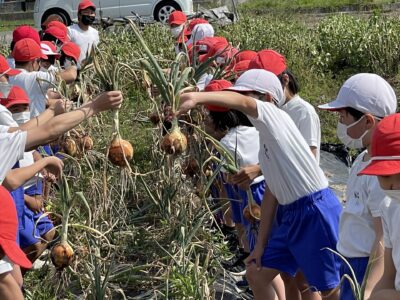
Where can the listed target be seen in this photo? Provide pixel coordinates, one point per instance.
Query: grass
(307, 4)
(11, 24)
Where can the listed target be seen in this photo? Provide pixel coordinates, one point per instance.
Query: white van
(67, 9)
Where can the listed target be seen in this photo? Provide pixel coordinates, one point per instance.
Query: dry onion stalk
(120, 151)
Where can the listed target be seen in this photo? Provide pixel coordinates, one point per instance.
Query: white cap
(367, 93)
(200, 32)
(46, 50)
(260, 81)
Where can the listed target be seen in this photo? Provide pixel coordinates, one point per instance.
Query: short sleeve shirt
(84, 39)
(35, 85)
(363, 200)
(307, 121)
(289, 167)
(391, 233)
(12, 147)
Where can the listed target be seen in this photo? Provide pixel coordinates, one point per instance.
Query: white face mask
(22, 117)
(176, 31)
(393, 194)
(348, 141)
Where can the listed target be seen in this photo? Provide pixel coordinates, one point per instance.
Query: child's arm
(69, 75)
(56, 107)
(35, 204)
(268, 211)
(9, 288)
(376, 258)
(246, 105)
(389, 275)
(64, 122)
(386, 295)
(17, 177)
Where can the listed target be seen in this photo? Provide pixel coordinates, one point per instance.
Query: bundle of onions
(120, 151)
(169, 86)
(62, 253)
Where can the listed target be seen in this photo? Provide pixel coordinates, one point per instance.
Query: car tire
(63, 14)
(164, 9)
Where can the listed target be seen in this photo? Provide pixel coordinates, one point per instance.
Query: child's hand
(59, 106)
(187, 103)
(107, 101)
(35, 204)
(54, 165)
(245, 176)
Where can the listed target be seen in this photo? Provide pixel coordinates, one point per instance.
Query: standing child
(385, 164)
(362, 102)
(83, 34)
(306, 210)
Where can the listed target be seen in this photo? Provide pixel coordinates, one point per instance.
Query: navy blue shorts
(359, 266)
(302, 230)
(36, 225)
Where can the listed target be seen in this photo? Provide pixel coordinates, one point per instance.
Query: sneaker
(236, 264)
(243, 284)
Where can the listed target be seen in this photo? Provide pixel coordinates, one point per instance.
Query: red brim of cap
(12, 72)
(15, 102)
(177, 22)
(44, 56)
(15, 254)
(216, 108)
(382, 168)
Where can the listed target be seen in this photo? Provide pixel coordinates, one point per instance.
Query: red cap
(27, 50)
(269, 60)
(58, 33)
(26, 32)
(49, 48)
(177, 18)
(71, 49)
(86, 4)
(216, 86)
(222, 51)
(245, 55)
(195, 22)
(183, 38)
(240, 67)
(17, 95)
(5, 68)
(385, 148)
(58, 25)
(9, 229)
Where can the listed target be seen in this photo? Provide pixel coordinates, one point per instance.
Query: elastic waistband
(309, 199)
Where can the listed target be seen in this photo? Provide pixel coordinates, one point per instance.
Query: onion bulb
(174, 142)
(62, 255)
(255, 213)
(86, 143)
(69, 146)
(120, 152)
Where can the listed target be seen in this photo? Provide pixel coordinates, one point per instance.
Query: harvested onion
(61, 255)
(174, 142)
(120, 152)
(69, 146)
(86, 143)
(252, 212)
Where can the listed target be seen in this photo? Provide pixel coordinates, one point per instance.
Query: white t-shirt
(244, 144)
(204, 80)
(363, 200)
(6, 118)
(5, 265)
(35, 85)
(307, 121)
(391, 233)
(289, 167)
(12, 147)
(84, 39)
